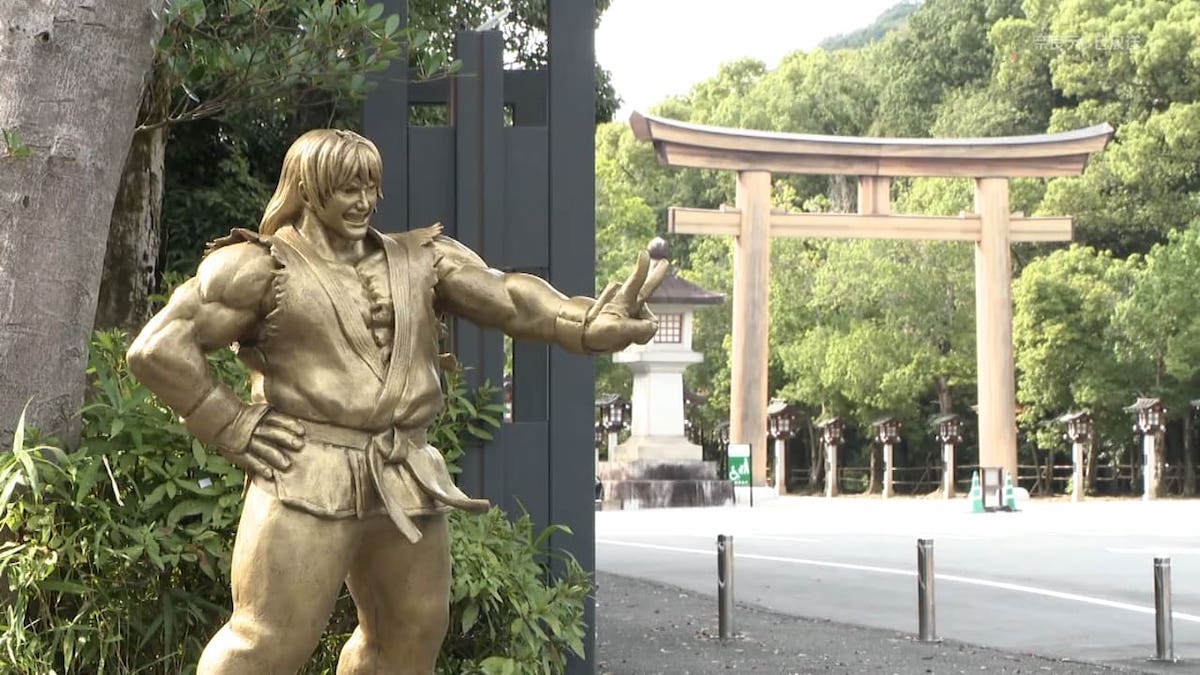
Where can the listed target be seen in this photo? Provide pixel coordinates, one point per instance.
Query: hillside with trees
(892, 18)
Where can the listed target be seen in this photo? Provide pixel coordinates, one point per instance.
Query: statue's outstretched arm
(527, 307)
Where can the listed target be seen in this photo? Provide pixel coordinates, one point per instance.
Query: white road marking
(1002, 585)
(1151, 550)
(810, 540)
(776, 537)
(765, 537)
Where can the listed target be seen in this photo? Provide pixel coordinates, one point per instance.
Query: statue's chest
(366, 289)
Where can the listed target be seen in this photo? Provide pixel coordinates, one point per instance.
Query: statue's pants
(288, 568)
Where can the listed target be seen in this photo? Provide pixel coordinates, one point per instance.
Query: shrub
(117, 554)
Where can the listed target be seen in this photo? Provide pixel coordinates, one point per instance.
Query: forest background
(864, 329)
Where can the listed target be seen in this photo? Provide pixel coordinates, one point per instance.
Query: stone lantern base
(659, 483)
(658, 448)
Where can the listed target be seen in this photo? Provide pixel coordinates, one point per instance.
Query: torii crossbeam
(755, 155)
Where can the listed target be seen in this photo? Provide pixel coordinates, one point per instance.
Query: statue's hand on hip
(620, 316)
(274, 438)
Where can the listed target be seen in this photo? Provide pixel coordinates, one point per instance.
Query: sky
(657, 48)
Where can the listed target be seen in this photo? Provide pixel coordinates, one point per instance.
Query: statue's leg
(288, 567)
(402, 591)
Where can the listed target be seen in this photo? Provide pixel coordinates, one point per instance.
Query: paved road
(1057, 579)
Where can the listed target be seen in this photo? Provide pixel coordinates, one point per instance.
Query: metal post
(613, 437)
(1164, 635)
(925, 617)
(724, 586)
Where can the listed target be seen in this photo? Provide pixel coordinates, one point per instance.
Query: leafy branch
(216, 55)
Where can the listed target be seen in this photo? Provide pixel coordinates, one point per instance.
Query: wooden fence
(1110, 480)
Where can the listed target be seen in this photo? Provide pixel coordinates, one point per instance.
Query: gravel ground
(647, 629)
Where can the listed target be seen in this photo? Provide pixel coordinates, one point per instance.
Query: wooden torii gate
(755, 155)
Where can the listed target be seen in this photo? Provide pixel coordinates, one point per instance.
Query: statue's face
(347, 212)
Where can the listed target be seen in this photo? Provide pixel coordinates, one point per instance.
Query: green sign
(739, 463)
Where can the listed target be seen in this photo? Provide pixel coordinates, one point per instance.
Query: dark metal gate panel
(573, 270)
(430, 200)
(527, 190)
(523, 197)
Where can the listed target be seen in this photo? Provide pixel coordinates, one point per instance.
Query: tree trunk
(841, 195)
(134, 236)
(71, 84)
(816, 448)
(945, 403)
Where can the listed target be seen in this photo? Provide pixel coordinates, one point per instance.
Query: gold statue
(339, 326)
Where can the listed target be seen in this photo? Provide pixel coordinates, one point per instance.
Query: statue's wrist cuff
(224, 420)
(571, 324)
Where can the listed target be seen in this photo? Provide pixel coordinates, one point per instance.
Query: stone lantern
(1151, 421)
(832, 432)
(657, 431)
(658, 465)
(1079, 432)
(949, 432)
(887, 432)
(614, 413)
(780, 427)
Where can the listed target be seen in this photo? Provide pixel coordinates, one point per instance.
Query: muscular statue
(338, 324)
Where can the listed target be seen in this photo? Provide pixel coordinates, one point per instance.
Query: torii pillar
(755, 155)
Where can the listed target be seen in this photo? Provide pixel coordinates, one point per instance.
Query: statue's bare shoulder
(236, 274)
(222, 304)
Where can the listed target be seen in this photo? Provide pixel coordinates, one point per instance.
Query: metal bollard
(925, 617)
(1164, 635)
(724, 586)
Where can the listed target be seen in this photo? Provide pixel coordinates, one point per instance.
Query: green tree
(269, 70)
(943, 47)
(1141, 188)
(889, 325)
(1160, 327)
(625, 224)
(1129, 63)
(217, 56)
(1064, 306)
(524, 25)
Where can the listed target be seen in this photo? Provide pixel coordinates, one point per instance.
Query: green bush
(116, 555)
(504, 618)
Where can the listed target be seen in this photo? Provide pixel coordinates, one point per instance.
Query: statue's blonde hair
(319, 162)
